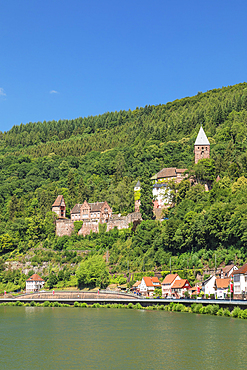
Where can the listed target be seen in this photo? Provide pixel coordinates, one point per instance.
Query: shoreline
(197, 308)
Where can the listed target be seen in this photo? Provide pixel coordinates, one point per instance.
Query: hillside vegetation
(100, 158)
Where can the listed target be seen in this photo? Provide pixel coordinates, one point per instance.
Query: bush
(76, 304)
(202, 310)
(130, 305)
(56, 304)
(220, 312)
(208, 309)
(46, 304)
(226, 312)
(84, 304)
(215, 309)
(32, 304)
(197, 308)
(236, 312)
(244, 314)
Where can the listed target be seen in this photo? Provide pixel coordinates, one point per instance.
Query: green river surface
(82, 338)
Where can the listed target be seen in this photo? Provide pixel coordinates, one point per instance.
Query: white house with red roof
(34, 283)
(222, 286)
(167, 284)
(179, 287)
(240, 281)
(148, 284)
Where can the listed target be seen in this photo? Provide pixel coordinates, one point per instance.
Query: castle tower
(201, 146)
(59, 207)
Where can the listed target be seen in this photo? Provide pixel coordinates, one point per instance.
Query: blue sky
(64, 59)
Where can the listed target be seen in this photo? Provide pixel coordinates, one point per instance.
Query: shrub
(212, 296)
(138, 306)
(208, 309)
(220, 312)
(32, 304)
(202, 310)
(244, 314)
(130, 305)
(84, 304)
(215, 309)
(226, 312)
(197, 307)
(18, 303)
(46, 304)
(56, 304)
(76, 304)
(236, 312)
(161, 307)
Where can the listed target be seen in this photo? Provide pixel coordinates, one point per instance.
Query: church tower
(201, 146)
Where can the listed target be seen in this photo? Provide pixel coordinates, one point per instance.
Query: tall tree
(146, 207)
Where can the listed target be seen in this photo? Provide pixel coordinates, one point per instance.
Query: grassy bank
(197, 308)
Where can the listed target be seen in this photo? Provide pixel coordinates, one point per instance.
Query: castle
(94, 214)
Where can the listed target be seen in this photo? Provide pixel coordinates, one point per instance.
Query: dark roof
(76, 208)
(227, 268)
(96, 207)
(58, 201)
(168, 172)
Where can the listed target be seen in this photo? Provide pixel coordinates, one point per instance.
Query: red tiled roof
(222, 283)
(58, 201)
(35, 277)
(179, 284)
(155, 279)
(241, 270)
(169, 279)
(148, 281)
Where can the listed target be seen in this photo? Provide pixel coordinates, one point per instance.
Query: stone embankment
(75, 295)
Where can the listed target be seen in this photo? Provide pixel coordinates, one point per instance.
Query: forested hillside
(100, 158)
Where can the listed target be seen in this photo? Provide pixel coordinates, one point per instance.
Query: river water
(81, 338)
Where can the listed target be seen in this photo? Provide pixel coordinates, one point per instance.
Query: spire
(138, 184)
(201, 138)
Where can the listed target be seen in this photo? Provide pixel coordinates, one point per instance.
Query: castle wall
(64, 227)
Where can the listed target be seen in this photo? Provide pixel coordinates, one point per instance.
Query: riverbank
(197, 308)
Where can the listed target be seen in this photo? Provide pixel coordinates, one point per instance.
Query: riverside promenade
(105, 297)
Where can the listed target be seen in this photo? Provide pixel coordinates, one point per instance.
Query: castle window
(198, 147)
(202, 148)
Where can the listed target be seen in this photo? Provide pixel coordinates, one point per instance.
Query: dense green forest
(100, 158)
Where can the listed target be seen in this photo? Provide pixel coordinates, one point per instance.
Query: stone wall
(87, 227)
(64, 227)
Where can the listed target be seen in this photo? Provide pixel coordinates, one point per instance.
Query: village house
(34, 283)
(136, 287)
(194, 291)
(59, 207)
(179, 287)
(208, 286)
(167, 284)
(226, 271)
(148, 285)
(222, 286)
(240, 281)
